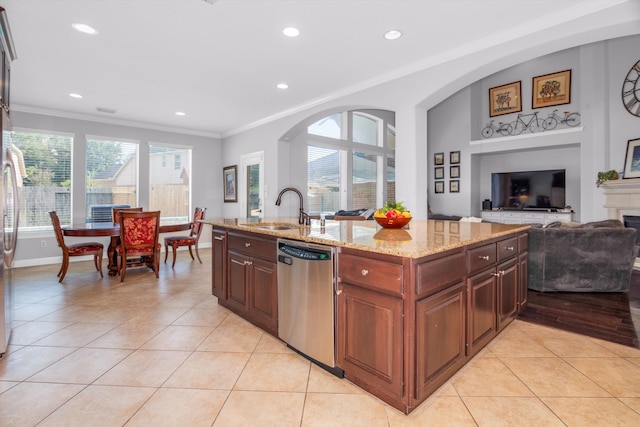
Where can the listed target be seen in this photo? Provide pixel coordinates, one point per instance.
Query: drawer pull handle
(365, 272)
(248, 262)
(338, 292)
(219, 237)
(510, 248)
(486, 257)
(246, 245)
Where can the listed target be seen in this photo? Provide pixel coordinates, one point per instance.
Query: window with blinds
(112, 177)
(170, 181)
(43, 172)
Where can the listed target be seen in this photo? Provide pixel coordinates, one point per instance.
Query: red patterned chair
(138, 245)
(77, 249)
(190, 240)
(115, 213)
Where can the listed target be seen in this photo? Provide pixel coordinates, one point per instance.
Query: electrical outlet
(43, 243)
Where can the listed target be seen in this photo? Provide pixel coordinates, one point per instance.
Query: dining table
(112, 230)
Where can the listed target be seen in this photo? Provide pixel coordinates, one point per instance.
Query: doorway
(251, 186)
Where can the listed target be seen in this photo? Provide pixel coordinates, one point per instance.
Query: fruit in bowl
(392, 215)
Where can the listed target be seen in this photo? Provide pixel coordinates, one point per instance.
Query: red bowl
(397, 222)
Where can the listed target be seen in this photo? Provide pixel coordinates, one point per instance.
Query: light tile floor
(97, 352)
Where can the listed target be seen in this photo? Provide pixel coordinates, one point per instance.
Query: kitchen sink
(272, 226)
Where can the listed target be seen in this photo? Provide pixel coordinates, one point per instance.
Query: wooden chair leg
(97, 259)
(156, 263)
(198, 253)
(166, 251)
(122, 267)
(63, 268)
(174, 247)
(191, 253)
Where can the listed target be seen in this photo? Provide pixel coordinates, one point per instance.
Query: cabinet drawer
(523, 242)
(434, 276)
(370, 273)
(507, 248)
(481, 258)
(250, 245)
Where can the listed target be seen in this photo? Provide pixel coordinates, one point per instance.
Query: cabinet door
(523, 277)
(482, 310)
(507, 292)
(440, 338)
(237, 289)
(370, 340)
(263, 294)
(219, 267)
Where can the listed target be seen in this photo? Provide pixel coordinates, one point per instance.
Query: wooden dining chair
(115, 213)
(78, 249)
(139, 232)
(190, 240)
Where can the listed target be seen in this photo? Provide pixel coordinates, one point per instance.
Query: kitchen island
(413, 304)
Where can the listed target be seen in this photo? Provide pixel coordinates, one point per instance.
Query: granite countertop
(420, 238)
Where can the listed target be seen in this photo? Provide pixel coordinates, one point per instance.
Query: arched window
(351, 161)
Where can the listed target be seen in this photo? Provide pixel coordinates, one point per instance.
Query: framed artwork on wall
(632, 159)
(439, 187)
(454, 171)
(230, 182)
(438, 159)
(505, 99)
(439, 173)
(454, 186)
(551, 89)
(454, 157)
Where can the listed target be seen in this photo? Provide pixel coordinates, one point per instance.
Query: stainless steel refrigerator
(8, 188)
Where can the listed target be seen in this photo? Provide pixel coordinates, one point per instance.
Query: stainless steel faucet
(303, 217)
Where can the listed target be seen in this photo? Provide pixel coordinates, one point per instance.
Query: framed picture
(439, 186)
(505, 99)
(551, 89)
(454, 227)
(439, 226)
(454, 171)
(438, 159)
(632, 159)
(454, 157)
(439, 173)
(454, 186)
(230, 182)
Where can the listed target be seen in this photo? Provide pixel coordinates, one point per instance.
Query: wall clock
(631, 90)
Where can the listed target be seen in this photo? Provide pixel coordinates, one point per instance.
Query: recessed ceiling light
(76, 95)
(180, 113)
(291, 32)
(282, 86)
(84, 28)
(392, 35)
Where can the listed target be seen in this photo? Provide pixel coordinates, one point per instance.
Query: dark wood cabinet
(370, 328)
(219, 270)
(482, 325)
(245, 276)
(507, 286)
(440, 338)
(370, 338)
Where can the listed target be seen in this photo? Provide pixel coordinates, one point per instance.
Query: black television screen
(543, 189)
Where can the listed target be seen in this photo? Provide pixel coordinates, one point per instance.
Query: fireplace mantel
(622, 197)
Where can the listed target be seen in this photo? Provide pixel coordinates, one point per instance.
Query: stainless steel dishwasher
(306, 304)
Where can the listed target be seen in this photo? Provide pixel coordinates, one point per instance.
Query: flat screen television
(529, 190)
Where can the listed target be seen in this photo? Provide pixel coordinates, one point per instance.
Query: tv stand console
(526, 217)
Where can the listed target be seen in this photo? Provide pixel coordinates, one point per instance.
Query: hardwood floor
(609, 316)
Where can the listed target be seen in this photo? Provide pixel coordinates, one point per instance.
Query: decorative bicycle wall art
(532, 123)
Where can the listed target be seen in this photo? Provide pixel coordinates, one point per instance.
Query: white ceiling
(220, 63)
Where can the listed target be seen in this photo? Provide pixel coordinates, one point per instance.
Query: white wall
(598, 70)
(206, 180)
(411, 95)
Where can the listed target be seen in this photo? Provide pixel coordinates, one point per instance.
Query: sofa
(592, 257)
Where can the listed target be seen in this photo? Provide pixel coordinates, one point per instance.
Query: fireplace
(623, 203)
(633, 221)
